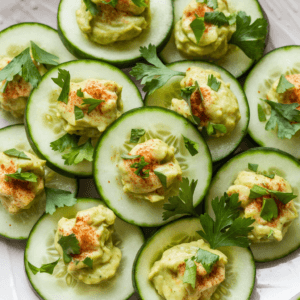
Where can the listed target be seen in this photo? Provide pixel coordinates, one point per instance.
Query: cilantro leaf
(45, 268)
(253, 167)
(63, 81)
(136, 134)
(162, 177)
(192, 146)
(128, 156)
(67, 141)
(269, 209)
(113, 3)
(79, 153)
(58, 198)
(250, 38)
(183, 203)
(211, 128)
(261, 113)
(15, 153)
(80, 93)
(92, 7)
(89, 262)
(216, 18)
(155, 76)
(30, 73)
(26, 176)
(198, 28)
(93, 103)
(190, 272)
(210, 3)
(70, 245)
(42, 56)
(282, 115)
(139, 166)
(139, 3)
(269, 176)
(78, 113)
(258, 191)
(207, 259)
(213, 83)
(283, 85)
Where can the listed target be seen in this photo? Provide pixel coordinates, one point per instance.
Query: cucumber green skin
(99, 188)
(27, 126)
(32, 230)
(148, 242)
(118, 63)
(253, 150)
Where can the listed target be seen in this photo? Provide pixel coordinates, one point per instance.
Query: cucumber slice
(40, 104)
(122, 54)
(158, 123)
(280, 61)
(240, 270)
(40, 249)
(268, 159)
(219, 147)
(235, 61)
(18, 226)
(16, 38)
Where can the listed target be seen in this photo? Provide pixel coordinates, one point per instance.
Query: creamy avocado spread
(17, 195)
(217, 107)
(214, 41)
(95, 122)
(123, 22)
(16, 92)
(93, 229)
(264, 231)
(167, 273)
(160, 158)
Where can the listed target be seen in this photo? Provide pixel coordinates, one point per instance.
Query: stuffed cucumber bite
(266, 181)
(113, 31)
(230, 32)
(176, 263)
(27, 51)
(148, 157)
(206, 94)
(71, 107)
(272, 88)
(81, 252)
(27, 187)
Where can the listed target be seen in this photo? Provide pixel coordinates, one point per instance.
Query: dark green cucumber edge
(27, 126)
(73, 49)
(111, 127)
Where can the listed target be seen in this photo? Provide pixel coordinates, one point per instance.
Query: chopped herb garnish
(271, 176)
(92, 7)
(231, 19)
(190, 272)
(16, 153)
(140, 3)
(213, 83)
(63, 81)
(198, 28)
(253, 167)
(192, 146)
(80, 93)
(26, 176)
(270, 233)
(216, 18)
(212, 128)
(283, 85)
(70, 245)
(89, 262)
(207, 259)
(45, 268)
(136, 134)
(67, 141)
(269, 209)
(127, 156)
(3, 89)
(113, 3)
(78, 113)
(162, 177)
(261, 113)
(139, 168)
(42, 56)
(93, 103)
(210, 3)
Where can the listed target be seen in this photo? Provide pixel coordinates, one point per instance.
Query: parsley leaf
(162, 177)
(89, 262)
(253, 167)
(67, 141)
(261, 113)
(231, 19)
(213, 83)
(63, 81)
(70, 245)
(139, 168)
(216, 18)
(192, 146)
(210, 3)
(15, 153)
(139, 3)
(269, 176)
(207, 259)
(198, 28)
(250, 38)
(58, 198)
(128, 156)
(154, 76)
(282, 115)
(30, 73)
(183, 203)
(113, 3)
(93, 103)
(26, 176)
(45, 268)
(269, 209)
(42, 56)
(136, 134)
(92, 7)
(80, 93)
(78, 113)
(283, 85)
(212, 128)
(190, 272)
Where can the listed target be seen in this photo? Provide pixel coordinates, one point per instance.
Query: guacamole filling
(146, 185)
(264, 231)
(167, 273)
(94, 122)
(14, 94)
(18, 195)
(214, 107)
(214, 41)
(111, 24)
(93, 229)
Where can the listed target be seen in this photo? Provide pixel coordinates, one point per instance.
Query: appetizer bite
(230, 32)
(80, 100)
(27, 51)
(27, 187)
(272, 89)
(156, 150)
(207, 95)
(87, 250)
(113, 31)
(266, 181)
